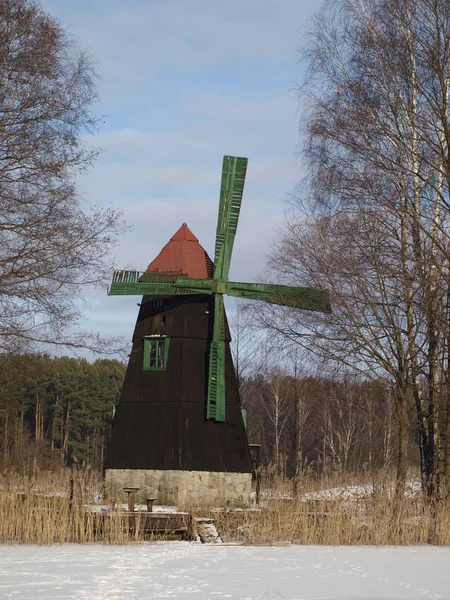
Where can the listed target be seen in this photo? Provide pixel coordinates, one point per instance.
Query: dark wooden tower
(161, 421)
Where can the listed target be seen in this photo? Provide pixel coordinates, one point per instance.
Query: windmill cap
(184, 233)
(183, 255)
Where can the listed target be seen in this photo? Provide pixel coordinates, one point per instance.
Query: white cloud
(193, 34)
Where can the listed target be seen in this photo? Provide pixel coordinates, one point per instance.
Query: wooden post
(150, 504)
(258, 485)
(131, 501)
(131, 492)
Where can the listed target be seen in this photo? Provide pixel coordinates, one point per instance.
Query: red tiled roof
(183, 255)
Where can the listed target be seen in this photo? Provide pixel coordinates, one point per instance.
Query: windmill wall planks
(160, 422)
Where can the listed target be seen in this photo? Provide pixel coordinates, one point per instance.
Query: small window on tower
(156, 350)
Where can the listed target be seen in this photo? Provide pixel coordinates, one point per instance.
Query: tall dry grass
(375, 522)
(47, 508)
(53, 507)
(338, 509)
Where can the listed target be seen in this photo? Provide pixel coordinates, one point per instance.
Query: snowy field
(182, 570)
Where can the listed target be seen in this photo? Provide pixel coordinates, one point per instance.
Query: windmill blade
(140, 283)
(298, 297)
(234, 170)
(196, 286)
(215, 406)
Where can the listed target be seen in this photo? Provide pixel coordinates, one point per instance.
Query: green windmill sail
(160, 284)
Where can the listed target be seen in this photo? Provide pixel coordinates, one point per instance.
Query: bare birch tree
(50, 245)
(375, 229)
(275, 401)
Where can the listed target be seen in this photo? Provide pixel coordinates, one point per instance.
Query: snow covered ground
(363, 490)
(183, 570)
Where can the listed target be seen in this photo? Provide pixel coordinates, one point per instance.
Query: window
(156, 350)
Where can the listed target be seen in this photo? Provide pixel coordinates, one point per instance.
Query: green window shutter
(244, 416)
(155, 353)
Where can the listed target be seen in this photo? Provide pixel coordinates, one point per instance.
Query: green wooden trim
(146, 352)
(299, 297)
(215, 406)
(234, 170)
(140, 283)
(244, 416)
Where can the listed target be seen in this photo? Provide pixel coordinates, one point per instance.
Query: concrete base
(183, 488)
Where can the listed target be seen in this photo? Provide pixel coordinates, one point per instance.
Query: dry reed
(383, 522)
(339, 510)
(48, 509)
(53, 507)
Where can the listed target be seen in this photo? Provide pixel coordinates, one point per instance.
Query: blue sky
(184, 82)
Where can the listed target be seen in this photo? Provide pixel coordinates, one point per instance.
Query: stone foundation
(183, 488)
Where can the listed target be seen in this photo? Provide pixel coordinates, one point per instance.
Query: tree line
(319, 420)
(320, 424)
(56, 411)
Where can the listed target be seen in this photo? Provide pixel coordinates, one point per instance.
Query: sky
(182, 83)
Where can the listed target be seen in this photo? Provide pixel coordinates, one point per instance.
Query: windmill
(179, 281)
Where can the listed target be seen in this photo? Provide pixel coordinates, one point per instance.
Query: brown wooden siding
(160, 422)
